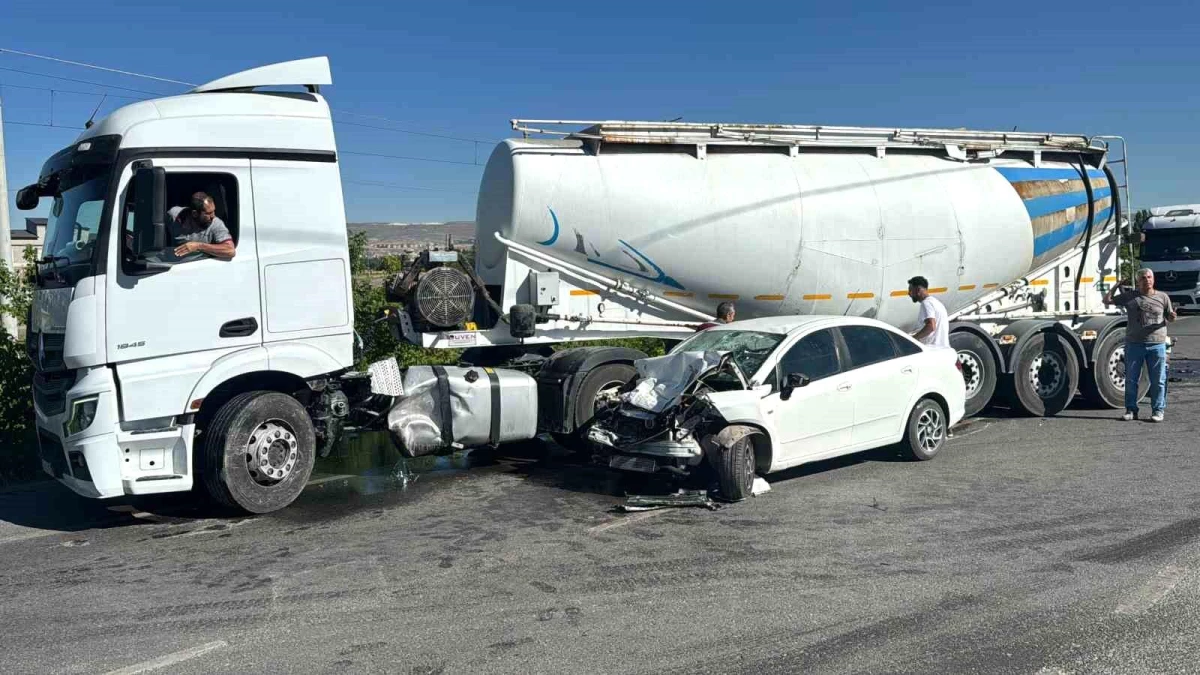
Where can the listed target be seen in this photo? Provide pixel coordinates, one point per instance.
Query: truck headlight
(83, 413)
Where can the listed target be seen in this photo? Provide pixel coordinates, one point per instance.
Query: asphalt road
(1064, 545)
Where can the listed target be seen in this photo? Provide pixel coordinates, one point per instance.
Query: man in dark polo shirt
(1149, 313)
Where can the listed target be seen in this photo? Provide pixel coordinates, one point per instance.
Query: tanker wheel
(1045, 376)
(1104, 384)
(979, 370)
(598, 388)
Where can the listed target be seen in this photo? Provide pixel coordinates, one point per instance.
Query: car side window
(904, 346)
(814, 356)
(867, 345)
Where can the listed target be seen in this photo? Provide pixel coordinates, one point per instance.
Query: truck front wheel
(258, 452)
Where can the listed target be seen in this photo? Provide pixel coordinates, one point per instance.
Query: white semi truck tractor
(159, 373)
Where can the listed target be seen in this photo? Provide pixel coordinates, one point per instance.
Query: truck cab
(140, 353)
(1171, 248)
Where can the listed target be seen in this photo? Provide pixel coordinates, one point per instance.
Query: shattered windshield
(749, 349)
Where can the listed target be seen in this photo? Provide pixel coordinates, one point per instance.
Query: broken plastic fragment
(759, 487)
(680, 499)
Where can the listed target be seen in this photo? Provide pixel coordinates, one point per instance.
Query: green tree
(18, 458)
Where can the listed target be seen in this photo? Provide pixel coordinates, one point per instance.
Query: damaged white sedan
(755, 397)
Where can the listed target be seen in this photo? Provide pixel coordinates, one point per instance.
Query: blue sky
(465, 69)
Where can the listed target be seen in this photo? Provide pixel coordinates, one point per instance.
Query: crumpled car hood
(663, 379)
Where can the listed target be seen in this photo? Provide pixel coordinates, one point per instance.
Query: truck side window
(868, 345)
(222, 187)
(814, 355)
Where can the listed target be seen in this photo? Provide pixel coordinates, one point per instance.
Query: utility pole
(8, 322)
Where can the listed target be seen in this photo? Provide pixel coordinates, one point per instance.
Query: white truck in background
(1171, 247)
(157, 374)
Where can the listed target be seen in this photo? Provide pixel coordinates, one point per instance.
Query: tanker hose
(1116, 200)
(1091, 217)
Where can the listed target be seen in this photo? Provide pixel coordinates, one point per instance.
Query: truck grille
(51, 451)
(1181, 281)
(50, 391)
(46, 351)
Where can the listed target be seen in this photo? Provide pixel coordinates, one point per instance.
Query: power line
(42, 124)
(5, 50)
(406, 187)
(405, 157)
(77, 81)
(69, 91)
(408, 131)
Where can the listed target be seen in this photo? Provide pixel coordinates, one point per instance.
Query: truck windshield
(73, 226)
(1172, 244)
(749, 348)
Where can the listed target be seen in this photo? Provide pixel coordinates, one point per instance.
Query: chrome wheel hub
(271, 452)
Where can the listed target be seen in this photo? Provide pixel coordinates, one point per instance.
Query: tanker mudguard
(559, 379)
(1025, 329)
(1102, 325)
(970, 327)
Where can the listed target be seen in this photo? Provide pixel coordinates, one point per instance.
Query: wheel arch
(1099, 328)
(978, 331)
(764, 444)
(259, 380)
(1019, 333)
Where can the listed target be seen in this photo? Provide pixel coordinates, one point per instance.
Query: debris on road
(760, 486)
(681, 498)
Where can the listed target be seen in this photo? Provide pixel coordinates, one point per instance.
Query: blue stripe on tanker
(1016, 174)
(1043, 206)
(1051, 240)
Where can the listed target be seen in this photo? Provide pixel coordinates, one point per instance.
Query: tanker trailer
(630, 229)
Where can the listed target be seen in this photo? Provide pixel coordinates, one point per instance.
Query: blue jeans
(1154, 355)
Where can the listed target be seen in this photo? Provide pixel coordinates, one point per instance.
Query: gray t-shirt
(1147, 315)
(215, 233)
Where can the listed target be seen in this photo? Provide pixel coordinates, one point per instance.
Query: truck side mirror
(27, 198)
(150, 210)
(792, 382)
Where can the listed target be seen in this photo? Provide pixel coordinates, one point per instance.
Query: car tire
(734, 465)
(979, 369)
(1045, 376)
(1104, 383)
(926, 431)
(253, 435)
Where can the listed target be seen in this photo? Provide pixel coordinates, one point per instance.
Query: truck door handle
(845, 386)
(239, 328)
(907, 370)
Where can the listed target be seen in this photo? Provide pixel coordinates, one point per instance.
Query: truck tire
(925, 433)
(599, 383)
(258, 452)
(734, 466)
(979, 369)
(1045, 376)
(1104, 383)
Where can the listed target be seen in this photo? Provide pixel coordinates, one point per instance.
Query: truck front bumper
(99, 459)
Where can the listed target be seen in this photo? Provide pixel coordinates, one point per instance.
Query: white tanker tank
(788, 228)
(627, 229)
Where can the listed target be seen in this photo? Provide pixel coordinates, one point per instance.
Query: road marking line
(1153, 591)
(1051, 671)
(170, 659)
(619, 522)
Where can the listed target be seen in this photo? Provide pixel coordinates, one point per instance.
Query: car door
(882, 379)
(816, 419)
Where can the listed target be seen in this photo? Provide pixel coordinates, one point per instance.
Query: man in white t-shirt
(935, 323)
